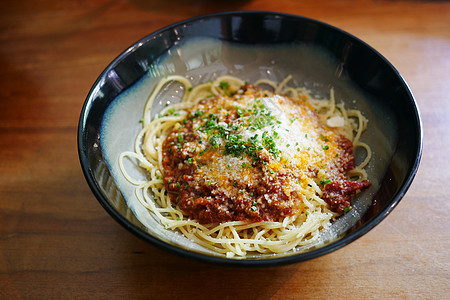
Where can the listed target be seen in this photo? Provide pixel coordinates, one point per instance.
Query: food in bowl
(250, 46)
(239, 167)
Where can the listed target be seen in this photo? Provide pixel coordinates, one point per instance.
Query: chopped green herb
(325, 182)
(224, 85)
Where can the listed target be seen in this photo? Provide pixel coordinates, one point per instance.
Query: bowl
(252, 45)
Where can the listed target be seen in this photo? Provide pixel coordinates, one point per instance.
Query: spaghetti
(238, 168)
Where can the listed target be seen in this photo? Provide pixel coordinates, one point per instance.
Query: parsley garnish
(224, 85)
(325, 182)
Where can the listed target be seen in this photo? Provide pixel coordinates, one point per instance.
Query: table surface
(57, 241)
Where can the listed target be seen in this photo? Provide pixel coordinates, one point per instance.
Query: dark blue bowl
(252, 45)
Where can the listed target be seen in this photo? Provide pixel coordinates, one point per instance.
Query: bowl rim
(265, 262)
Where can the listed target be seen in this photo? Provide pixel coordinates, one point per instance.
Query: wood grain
(56, 241)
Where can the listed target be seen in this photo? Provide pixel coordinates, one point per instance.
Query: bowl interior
(251, 45)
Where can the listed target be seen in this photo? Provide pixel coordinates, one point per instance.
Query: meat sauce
(209, 203)
(260, 195)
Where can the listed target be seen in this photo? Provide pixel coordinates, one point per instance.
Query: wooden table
(57, 241)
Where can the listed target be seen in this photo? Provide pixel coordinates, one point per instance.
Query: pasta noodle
(231, 159)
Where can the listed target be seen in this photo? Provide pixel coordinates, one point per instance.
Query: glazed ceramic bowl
(252, 45)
